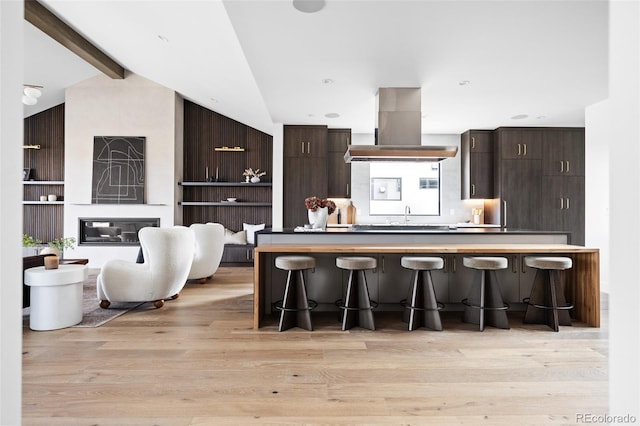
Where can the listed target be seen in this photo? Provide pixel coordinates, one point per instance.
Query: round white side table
(56, 296)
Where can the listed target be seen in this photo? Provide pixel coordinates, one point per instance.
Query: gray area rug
(92, 314)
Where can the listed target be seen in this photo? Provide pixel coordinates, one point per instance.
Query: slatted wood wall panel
(45, 221)
(205, 130)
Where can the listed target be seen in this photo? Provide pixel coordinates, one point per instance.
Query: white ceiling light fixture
(332, 115)
(309, 6)
(519, 117)
(31, 93)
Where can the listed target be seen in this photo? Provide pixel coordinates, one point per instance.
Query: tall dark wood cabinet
(305, 170)
(339, 183)
(476, 161)
(518, 177)
(563, 182)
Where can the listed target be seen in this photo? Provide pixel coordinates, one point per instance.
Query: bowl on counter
(232, 199)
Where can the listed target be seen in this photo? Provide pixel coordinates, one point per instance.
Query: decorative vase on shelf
(247, 179)
(318, 219)
(255, 179)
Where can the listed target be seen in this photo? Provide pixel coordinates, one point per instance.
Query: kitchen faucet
(407, 211)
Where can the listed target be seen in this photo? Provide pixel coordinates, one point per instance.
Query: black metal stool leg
(484, 305)
(547, 304)
(422, 303)
(357, 309)
(295, 305)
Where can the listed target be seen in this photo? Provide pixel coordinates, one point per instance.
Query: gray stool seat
(357, 306)
(487, 263)
(541, 262)
(294, 307)
(547, 304)
(294, 263)
(356, 263)
(421, 305)
(484, 303)
(422, 263)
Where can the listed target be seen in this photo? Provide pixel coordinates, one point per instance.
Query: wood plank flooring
(198, 361)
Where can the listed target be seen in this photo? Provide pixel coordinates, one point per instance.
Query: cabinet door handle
(302, 147)
(567, 203)
(308, 147)
(514, 264)
(473, 189)
(525, 149)
(454, 269)
(522, 265)
(504, 202)
(561, 166)
(347, 189)
(382, 264)
(567, 166)
(519, 149)
(473, 142)
(445, 264)
(561, 203)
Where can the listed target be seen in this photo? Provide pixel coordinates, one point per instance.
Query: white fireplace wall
(134, 106)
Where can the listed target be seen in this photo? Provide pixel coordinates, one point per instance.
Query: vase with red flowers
(318, 210)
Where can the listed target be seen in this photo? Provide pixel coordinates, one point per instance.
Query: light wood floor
(197, 361)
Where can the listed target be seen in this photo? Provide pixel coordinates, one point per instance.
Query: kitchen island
(388, 283)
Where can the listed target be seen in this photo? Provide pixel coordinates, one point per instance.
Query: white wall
(597, 145)
(134, 106)
(624, 137)
(11, 126)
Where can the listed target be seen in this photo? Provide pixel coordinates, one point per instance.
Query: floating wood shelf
(224, 184)
(43, 182)
(224, 203)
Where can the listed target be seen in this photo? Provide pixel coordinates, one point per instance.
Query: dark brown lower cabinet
(521, 198)
(237, 254)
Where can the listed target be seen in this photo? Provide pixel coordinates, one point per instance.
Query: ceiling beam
(50, 24)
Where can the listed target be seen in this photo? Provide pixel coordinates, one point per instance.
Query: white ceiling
(262, 61)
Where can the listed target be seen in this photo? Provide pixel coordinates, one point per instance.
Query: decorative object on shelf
(52, 197)
(26, 174)
(351, 213)
(319, 210)
(43, 198)
(58, 246)
(231, 149)
(253, 176)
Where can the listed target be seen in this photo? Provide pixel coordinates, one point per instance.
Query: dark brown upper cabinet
(564, 153)
(339, 184)
(476, 161)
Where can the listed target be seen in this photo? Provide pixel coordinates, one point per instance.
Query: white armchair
(208, 250)
(168, 253)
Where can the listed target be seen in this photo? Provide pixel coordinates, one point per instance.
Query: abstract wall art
(118, 170)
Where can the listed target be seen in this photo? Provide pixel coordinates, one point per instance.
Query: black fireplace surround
(113, 231)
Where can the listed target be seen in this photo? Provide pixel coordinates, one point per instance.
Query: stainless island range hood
(399, 131)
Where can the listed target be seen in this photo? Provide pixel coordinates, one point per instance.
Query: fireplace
(112, 231)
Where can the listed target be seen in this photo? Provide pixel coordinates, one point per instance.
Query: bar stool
(484, 304)
(546, 303)
(294, 307)
(422, 307)
(356, 305)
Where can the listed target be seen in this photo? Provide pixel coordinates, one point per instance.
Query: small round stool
(356, 305)
(484, 304)
(422, 307)
(546, 303)
(294, 307)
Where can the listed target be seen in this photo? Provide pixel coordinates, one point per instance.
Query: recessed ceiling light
(540, 117)
(327, 81)
(332, 115)
(464, 82)
(163, 38)
(214, 100)
(309, 6)
(519, 116)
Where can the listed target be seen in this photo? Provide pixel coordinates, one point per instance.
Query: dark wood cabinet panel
(476, 160)
(563, 205)
(519, 143)
(305, 170)
(520, 194)
(339, 172)
(305, 141)
(564, 152)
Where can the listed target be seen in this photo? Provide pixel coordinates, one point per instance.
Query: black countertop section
(411, 230)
